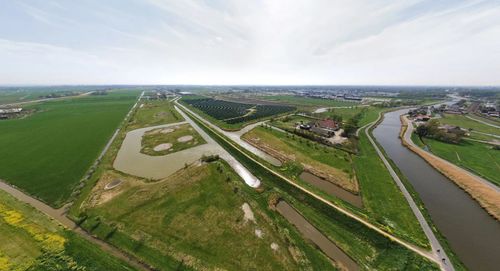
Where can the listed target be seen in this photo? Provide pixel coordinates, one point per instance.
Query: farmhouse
(422, 117)
(325, 128)
(453, 129)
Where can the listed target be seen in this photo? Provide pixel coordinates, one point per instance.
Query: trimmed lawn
(477, 157)
(29, 240)
(47, 153)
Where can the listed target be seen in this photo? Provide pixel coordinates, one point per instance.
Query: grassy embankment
(382, 199)
(151, 114)
(155, 137)
(191, 219)
(364, 245)
(469, 155)
(216, 193)
(29, 240)
(333, 164)
(47, 153)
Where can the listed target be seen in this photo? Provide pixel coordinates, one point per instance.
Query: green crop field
(47, 153)
(305, 101)
(192, 219)
(29, 240)
(477, 157)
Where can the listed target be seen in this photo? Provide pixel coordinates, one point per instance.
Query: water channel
(472, 234)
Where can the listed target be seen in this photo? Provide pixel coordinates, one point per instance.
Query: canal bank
(471, 232)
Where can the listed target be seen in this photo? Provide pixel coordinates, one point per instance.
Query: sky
(283, 42)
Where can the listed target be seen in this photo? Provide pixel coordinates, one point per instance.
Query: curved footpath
(438, 251)
(427, 254)
(486, 193)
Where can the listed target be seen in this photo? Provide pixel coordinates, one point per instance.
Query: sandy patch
(113, 184)
(274, 246)
(185, 138)
(248, 213)
(163, 147)
(258, 233)
(167, 130)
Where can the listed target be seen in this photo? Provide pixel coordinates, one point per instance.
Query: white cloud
(260, 42)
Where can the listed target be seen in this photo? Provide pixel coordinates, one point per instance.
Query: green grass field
(47, 153)
(464, 122)
(332, 162)
(477, 157)
(305, 101)
(151, 113)
(155, 137)
(381, 197)
(193, 219)
(29, 240)
(362, 244)
(370, 113)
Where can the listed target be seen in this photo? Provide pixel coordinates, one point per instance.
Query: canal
(472, 234)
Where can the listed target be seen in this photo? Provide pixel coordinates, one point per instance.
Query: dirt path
(483, 122)
(435, 245)
(59, 216)
(422, 252)
(48, 99)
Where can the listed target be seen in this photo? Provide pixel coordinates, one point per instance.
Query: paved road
(236, 137)
(429, 255)
(436, 246)
(248, 177)
(483, 122)
(407, 138)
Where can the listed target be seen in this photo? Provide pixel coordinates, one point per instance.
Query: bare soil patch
(162, 147)
(185, 138)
